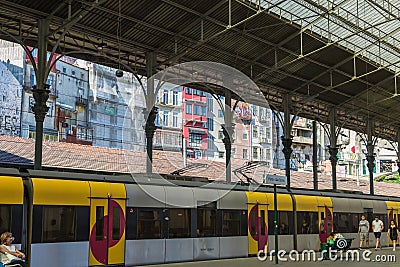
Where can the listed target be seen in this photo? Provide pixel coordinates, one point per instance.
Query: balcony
(80, 101)
(303, 125)
(264, 118)
(265, 140)
(302, 140)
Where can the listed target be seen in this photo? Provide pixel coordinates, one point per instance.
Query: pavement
(370, 257)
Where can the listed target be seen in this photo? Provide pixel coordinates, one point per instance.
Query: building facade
(115, 109)
(168, 135)
(11, 82)
(194, 124)
(50, 129)
(72, 119)
(261, 135)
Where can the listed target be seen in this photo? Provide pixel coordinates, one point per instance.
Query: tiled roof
(15, 150)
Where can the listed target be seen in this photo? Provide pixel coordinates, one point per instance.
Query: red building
(194, 115)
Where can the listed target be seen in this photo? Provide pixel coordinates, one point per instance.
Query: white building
(115, 109)
(168, 136)
(10, 103)
(11, 82)
(261, 135)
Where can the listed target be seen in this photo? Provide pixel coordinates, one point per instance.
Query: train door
(107, 234)
(258, 228)
(325, 220)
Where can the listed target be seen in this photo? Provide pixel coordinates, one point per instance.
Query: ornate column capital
(333, 152)
(41, 95)
(287, 146)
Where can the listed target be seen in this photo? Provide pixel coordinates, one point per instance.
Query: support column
(315, 159)
(370, 157)
(287, 137)
(333, 150)
(227, 130)
(41, 91)
(398, 150)
(151, 111)
(149, 130)
(40, 110)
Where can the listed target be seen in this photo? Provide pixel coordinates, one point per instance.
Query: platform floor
(384, 257)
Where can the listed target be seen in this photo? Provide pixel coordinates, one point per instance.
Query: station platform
(385, 257)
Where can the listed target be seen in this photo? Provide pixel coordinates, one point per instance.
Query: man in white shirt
(377, 227)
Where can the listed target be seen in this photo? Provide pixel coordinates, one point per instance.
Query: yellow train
(84, 219)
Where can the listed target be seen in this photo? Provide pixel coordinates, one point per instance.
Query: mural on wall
(10, 102)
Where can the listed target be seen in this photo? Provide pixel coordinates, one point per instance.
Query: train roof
(185, 181)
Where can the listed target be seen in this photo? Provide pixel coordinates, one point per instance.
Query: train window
(5, 218)
(99, 223)
(206, 222)
(149, 224)
(253, 221)
(343, 222)
(179, 223)
(231, 223)
(116, 226)
(355, 220)
(82, 223)
(59, 224)
(307, 222)
(262, 222)
(285, 222)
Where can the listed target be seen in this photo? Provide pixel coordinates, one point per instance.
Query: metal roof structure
(324, 53)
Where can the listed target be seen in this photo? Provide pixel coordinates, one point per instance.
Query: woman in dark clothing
(393, 233)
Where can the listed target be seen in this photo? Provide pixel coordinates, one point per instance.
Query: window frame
(189, 109)
(289, 223)
(158, 218)
(226, 221)
(212, 208)
(188, 228)
(313, 222)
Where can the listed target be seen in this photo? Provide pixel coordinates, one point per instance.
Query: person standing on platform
(393, 233)
(377, 227)
(363, 230)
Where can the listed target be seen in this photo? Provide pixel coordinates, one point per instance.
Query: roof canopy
(324, 53)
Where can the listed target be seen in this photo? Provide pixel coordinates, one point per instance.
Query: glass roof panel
(370, 28)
